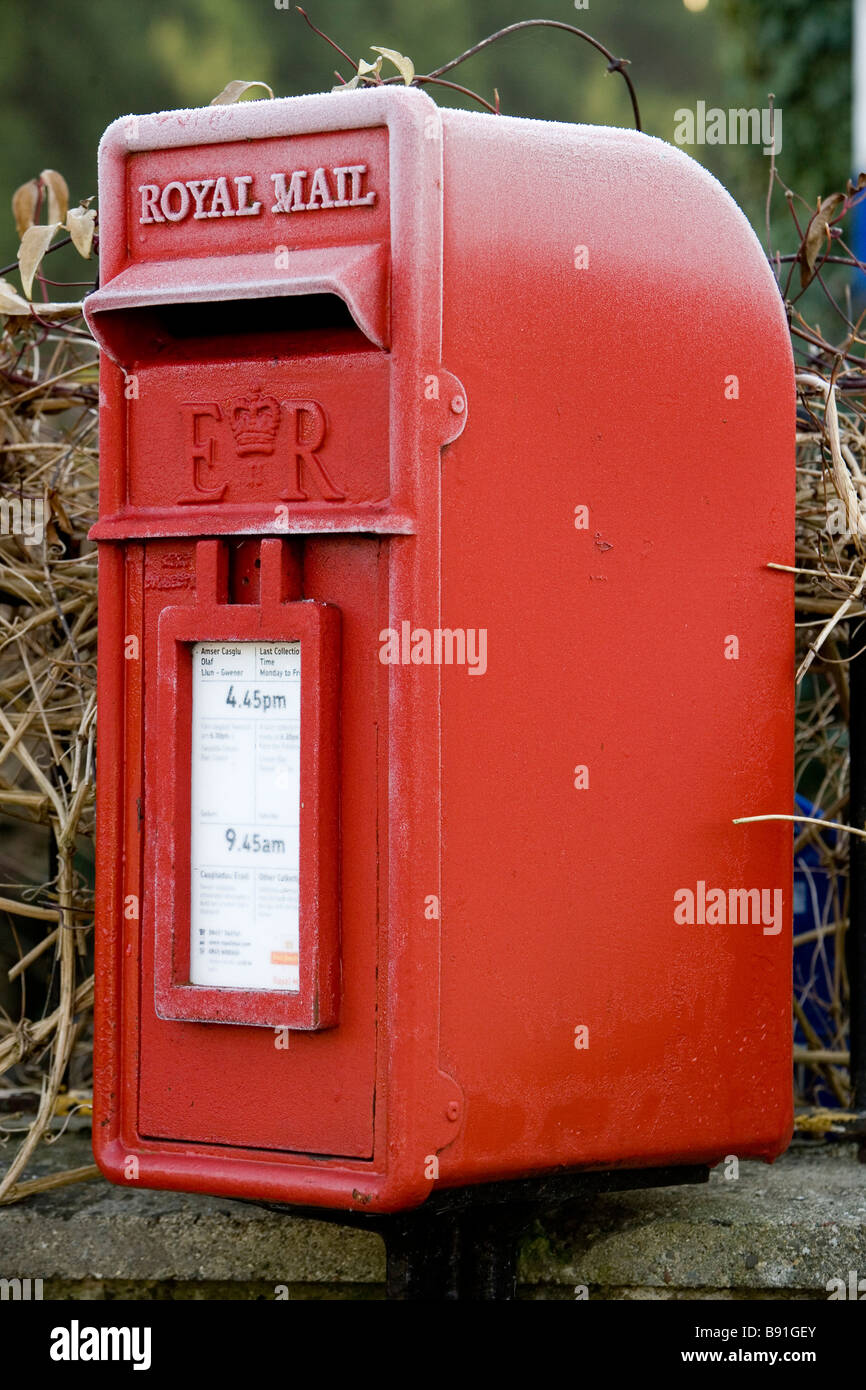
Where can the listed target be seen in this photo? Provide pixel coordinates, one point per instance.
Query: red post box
(443, 457)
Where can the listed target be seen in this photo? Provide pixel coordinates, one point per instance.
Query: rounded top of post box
(674, 211)
(409, 110)
(263, 119)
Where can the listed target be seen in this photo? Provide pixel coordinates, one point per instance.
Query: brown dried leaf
(25, 201)
(404, 65)
(58, 195)
(11, 302)
(34, 243)
(816, 235)
(79, 225)
(56, 508)
(233, 91)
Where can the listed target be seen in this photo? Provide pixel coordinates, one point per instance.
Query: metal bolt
(453, 1109)
(458, 405)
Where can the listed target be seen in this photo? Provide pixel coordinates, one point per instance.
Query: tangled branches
(48, 483)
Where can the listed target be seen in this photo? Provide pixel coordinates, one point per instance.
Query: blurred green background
(67, 69)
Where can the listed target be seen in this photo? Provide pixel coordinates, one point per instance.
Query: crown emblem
(254, 421)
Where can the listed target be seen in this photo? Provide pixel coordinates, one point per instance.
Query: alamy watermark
(24, 517)
(77, 1343)
(714, 907)
(853, 1288)
(440, 646)
(21, 1290)
(846, 519)
(740, 126)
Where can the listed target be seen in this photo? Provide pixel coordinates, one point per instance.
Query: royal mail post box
(443, 459)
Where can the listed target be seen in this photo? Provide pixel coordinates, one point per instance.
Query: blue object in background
(857, 243)
(815, 961)
(857, 221)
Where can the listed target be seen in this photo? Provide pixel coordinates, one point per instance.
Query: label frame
(316, 626)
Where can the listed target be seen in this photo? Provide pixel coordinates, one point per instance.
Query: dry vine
(48, 496)
(830, 580)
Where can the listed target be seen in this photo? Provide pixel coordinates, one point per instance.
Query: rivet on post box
(439, 654)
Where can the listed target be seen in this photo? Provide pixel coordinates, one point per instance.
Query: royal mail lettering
(301, 190)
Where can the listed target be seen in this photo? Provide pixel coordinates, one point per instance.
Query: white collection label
(244, 841)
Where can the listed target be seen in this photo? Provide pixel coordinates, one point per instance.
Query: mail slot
(445, 459)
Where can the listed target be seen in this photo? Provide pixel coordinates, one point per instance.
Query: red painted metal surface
(521, 423)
